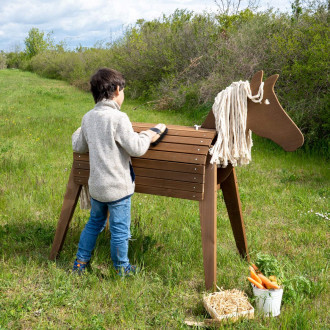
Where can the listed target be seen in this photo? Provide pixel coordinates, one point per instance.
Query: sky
(88, 22)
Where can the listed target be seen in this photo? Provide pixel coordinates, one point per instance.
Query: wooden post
(231, 196)
(208, 220)
(69, 204)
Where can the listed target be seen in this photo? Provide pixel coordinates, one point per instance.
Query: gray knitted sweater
(108, 135)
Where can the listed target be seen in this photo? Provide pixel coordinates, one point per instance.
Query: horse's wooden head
(268, 119)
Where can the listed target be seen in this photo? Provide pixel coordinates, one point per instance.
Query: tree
(296, 9)
(233, 7)
(36, 42)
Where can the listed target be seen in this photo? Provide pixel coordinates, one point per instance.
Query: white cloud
(84, 21)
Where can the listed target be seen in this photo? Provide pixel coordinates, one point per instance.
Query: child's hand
(157, 133)
(161, 127)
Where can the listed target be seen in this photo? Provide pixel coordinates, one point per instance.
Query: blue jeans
(120, 222)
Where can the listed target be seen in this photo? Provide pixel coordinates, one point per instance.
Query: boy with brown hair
(107, 134)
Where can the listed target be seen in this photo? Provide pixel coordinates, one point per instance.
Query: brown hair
(104, 84)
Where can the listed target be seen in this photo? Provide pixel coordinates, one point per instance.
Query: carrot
(257, 284)
(255, 268)
(267, 283)
(254, 275)
(272, 278)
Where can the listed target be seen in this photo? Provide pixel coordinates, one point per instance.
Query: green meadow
(285, 201)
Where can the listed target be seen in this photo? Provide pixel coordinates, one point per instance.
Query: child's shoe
(79, 267)
(128, 270)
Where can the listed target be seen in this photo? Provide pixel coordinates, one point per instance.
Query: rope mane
(233, 144)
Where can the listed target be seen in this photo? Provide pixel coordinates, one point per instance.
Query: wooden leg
(223, 173)
(208, 219)
(69, 204)
(107, 225)
(233, 203)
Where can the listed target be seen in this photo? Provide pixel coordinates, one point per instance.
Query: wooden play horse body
(180, 167)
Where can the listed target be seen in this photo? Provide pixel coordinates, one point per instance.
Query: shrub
(72, 66)
(15, 60)
(3, 60)
(300, 51)
(161, 50)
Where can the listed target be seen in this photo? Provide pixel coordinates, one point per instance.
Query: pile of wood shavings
(228, 301)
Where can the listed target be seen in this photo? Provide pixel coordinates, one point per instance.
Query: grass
(284, 198)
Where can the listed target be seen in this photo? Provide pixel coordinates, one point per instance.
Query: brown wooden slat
(153, 173)
(175, 132)
(78, 172)
(187, 140)
(77, 156)
(179, 130)
(169, 175)
(187, 149)
(169, 192)
(81, 180)
(171, 184)
(177, 127)
(159, 186)
(175, 157)
(150, 163)
(168, 166)
(83, 164)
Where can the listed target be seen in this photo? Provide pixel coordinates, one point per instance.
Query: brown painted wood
(169, 166)
(169, 175)
(209, 121)
(81, 180)
(171, 184)
(69, 204)
(179, 130)
(107, 225)
(231, 196)
(255, 82)
(175, 157)
(197, 196)
(81, 164)
(83, 173)
(152, 173)
(160, 155)
(81, 157)
(223, 173)
(270, 120)
(172, 127)
(187, 140)
(182, 148)
(208, 220)
(153, 164)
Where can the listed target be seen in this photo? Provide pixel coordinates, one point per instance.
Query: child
(107, 134)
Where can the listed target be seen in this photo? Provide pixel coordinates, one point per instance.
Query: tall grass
(282, 194)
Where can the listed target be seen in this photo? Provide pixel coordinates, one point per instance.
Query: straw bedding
(228, 302)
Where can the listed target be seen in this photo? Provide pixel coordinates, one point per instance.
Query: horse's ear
(270, 82)
(256, 81)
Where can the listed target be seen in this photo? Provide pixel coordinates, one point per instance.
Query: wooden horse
(180, 167)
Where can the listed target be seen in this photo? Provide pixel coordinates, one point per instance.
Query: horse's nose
(292, 141)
